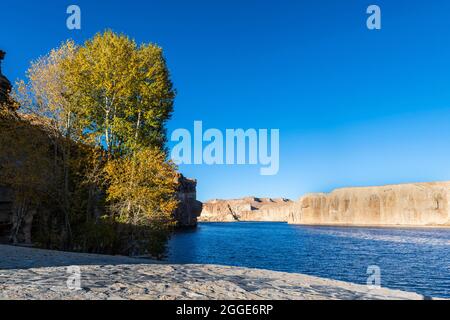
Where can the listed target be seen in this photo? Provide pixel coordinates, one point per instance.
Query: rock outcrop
(185, 215)
(5, 194)
(420, 204)
(246, 209)
(189, 208)
(5, 85)
(5, 214)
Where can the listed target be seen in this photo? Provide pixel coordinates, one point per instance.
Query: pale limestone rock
(246, 209)
(420, 204)
(33, 274)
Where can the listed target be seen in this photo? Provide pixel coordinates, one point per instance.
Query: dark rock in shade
(6, 200)
(5, 85)
(185, 215)
(189, 208)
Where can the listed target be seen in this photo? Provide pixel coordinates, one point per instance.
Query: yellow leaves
(109, 92)
(47, 93)
(142, 186)
(123, 84)
(106, 101)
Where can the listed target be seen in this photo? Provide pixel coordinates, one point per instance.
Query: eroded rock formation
(5, 85)
(246, 209)
(186, 214)
(420, 204)
(6, 197)
(189, 208)
(6, 201)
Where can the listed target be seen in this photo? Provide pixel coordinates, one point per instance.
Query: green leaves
(127, 93)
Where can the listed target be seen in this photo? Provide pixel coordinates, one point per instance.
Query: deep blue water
(416, 260)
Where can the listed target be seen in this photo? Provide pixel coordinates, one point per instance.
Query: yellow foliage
(101, 110)
(125, 91)
(142, 187)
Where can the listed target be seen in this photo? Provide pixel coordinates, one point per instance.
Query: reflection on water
(410, 259)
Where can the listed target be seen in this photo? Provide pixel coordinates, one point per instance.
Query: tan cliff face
(420, 204)
(246, 209)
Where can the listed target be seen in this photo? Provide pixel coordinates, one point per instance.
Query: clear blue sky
(354, 107)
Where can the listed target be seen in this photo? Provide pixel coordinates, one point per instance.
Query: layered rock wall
(189, 208)
(247, 209)
(420, 204)
(5, 85)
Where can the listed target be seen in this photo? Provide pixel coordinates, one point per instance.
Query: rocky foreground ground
(27, 273)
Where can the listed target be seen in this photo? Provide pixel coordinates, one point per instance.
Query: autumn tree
(141, 194)
(105, 105)
(47, 96)
(125, 92)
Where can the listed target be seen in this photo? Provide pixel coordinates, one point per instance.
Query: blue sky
(354, 107)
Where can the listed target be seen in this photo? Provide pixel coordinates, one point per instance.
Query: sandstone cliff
(247, 209)
(189, 208)
(420, 204)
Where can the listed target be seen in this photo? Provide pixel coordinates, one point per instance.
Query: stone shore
(33, 274)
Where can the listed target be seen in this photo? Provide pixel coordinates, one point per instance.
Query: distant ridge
(410, 204)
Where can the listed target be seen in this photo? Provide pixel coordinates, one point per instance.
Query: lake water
(416, 260)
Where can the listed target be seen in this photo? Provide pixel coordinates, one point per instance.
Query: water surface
(415, 260)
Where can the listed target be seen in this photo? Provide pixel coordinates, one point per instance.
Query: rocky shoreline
(33, 274)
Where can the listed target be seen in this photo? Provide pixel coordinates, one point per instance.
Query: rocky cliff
(5, 85)
(189, 208)
(247, 209)
(420, 204)
(185, 215)
(5, 214)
